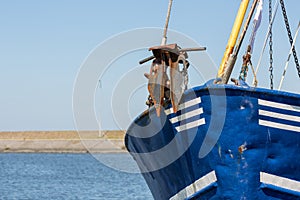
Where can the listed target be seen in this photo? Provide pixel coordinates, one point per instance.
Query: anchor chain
(271, 46)
(290, 35)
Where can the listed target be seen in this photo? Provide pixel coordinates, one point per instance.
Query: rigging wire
(287, 25)
(267, 36)
(289, 56)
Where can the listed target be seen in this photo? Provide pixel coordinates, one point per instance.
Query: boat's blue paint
(281, 193)
(243, 150)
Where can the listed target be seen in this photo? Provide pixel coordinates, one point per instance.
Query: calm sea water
(67, 176)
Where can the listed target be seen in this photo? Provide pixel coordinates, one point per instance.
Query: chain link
(290, 35)
(271, 46)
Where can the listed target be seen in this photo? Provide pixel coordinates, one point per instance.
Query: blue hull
(224, 142)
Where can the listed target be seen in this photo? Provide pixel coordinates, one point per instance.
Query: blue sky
(44, 43)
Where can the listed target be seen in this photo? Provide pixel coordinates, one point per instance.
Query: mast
(164, 39)
(233, 36)
(232, 58)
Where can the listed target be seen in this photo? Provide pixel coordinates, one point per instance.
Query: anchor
(164, 86)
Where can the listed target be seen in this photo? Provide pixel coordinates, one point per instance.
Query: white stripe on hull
(276, 114)
(184, 116)
(278, 105)
(279, 181)
(184, 105)
(279, 115)
(187, 115)
(278, 125)
(192, 124)
(198, 185)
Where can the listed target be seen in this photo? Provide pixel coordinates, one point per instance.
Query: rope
(246, 60)
(255, 82)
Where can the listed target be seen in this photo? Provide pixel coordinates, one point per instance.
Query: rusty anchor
(162, 88)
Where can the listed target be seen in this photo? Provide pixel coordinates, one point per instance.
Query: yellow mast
(233, 36)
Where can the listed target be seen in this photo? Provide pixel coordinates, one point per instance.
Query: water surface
(67, 176)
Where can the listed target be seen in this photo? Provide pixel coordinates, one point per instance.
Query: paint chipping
(242, 148)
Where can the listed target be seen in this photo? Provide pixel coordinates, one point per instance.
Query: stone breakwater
(63, 141)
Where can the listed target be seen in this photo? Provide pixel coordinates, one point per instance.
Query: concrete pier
(63, 141)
